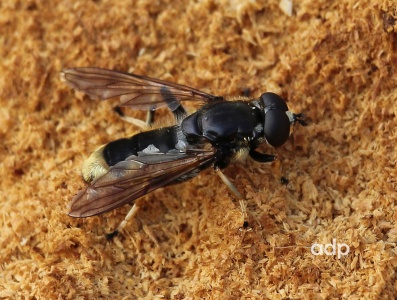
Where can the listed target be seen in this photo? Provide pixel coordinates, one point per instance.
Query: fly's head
(278, 120)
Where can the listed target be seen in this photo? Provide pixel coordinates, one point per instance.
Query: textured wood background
(333, 60)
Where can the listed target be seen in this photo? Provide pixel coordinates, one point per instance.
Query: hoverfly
(219, 132)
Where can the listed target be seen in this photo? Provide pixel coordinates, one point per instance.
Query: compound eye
(277, 126)
(273, 101)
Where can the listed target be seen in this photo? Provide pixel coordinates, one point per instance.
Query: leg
(139, 123)
(173, 104)
(131, 214)
(261, 157)
(150, 117)
(234, 190)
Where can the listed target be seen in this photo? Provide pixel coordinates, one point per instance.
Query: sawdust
(333, 60)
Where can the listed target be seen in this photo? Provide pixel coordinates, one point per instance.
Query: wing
(137, 91)
(136, 176)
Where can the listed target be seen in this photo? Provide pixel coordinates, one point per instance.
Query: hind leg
(131, 214)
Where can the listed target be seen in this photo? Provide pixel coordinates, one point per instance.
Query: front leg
(262, 157)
